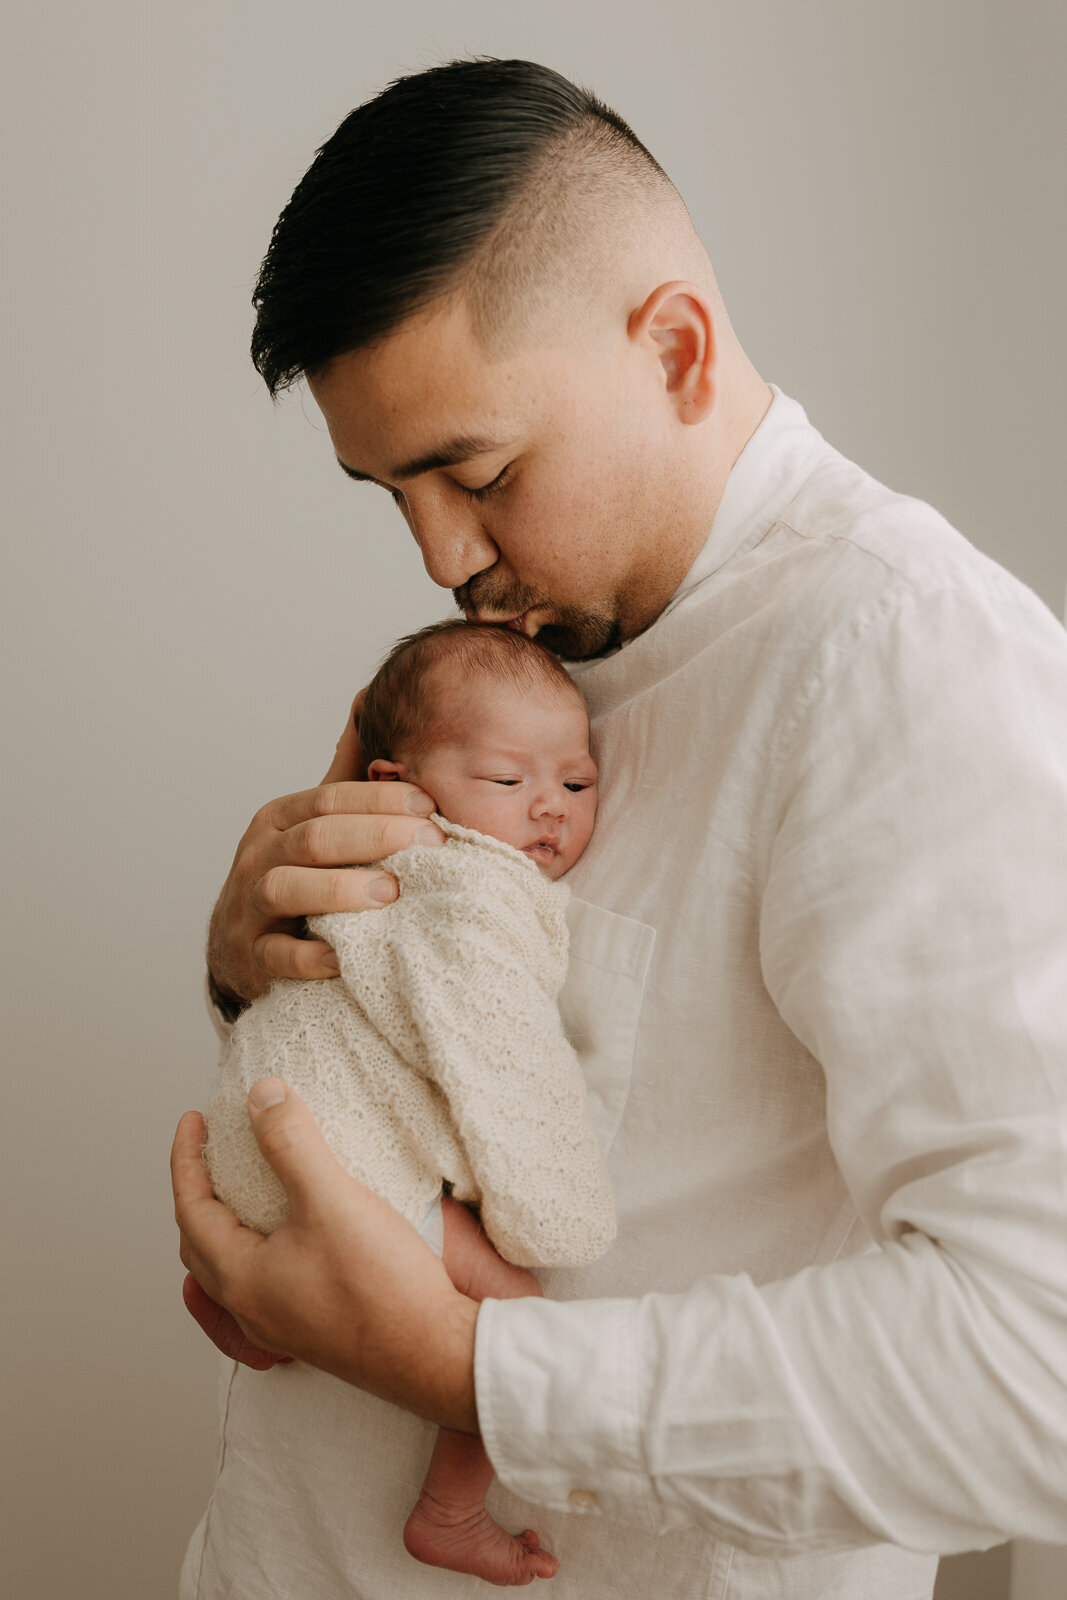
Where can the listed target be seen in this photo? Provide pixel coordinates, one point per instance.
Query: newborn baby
(437, 1059)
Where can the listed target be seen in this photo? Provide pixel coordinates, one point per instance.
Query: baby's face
(515, 764)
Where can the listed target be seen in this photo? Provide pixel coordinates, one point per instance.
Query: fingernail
(429, 834)
(382, 889)
(330, 960)
(419, 803)
(267, 1092)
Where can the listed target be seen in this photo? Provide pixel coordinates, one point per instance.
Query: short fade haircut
(473, 177)
(399, 714)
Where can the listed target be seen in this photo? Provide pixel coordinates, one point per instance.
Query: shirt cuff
(566, 1435)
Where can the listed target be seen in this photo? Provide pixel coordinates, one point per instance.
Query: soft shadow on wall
(983, 1575)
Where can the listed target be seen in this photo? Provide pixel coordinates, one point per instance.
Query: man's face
(536, 486)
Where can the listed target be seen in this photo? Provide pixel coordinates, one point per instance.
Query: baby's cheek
(497, 814)
(589, 820)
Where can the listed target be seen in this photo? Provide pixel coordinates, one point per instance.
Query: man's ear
(387, 771)
(677, 324)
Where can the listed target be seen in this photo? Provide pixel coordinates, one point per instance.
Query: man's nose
(453, 543)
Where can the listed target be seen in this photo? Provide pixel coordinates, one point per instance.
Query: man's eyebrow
(464, 447)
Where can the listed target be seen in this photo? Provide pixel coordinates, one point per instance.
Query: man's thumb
(291, 1141)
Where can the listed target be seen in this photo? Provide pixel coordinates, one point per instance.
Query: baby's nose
(551, 802)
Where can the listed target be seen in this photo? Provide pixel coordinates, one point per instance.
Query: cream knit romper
(437, 1054)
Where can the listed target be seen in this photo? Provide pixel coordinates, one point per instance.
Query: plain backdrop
(193, 592)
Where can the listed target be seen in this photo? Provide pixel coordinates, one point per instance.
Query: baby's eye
(576, 788)
(509, 783)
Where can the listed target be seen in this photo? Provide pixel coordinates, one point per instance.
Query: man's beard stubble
(572, 634)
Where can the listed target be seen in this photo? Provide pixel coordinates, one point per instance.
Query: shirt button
(583, 1500)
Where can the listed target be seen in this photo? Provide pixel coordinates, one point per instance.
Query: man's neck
(744, 402)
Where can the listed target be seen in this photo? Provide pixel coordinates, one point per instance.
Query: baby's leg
(450, 1526)
(474, 1266)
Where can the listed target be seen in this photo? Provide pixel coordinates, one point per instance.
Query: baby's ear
(387, 771)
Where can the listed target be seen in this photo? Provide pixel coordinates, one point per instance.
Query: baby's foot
(466, 1539)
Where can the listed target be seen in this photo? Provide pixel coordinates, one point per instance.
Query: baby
(437, 1059)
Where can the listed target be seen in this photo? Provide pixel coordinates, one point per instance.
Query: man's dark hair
(398, 206)
(399, 715)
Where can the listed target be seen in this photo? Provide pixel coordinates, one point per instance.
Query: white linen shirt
(818, 984)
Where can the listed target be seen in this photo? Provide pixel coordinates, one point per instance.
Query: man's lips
(518, 624)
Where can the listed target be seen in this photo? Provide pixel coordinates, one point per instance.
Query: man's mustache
(484, 593)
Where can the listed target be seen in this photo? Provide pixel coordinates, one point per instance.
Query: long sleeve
(913, 936)
(461, 975)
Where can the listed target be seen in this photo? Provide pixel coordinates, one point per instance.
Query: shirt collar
(763, 482)
(764, 479)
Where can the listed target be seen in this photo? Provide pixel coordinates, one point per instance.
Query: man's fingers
(282, 956)
(224, 1332)
(346, 798)
(346, 840)
(302, 857)
(204, 1222)
(311, 891)
(292, 1144)
(188, 1174)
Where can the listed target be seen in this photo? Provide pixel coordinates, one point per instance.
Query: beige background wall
(192, 591)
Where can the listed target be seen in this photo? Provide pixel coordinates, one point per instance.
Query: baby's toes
(540, 1562)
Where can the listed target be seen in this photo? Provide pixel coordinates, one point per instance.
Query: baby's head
(488, 723)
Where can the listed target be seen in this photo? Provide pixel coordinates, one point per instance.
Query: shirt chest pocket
(601, 1005)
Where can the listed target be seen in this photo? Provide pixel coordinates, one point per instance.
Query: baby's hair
(399, 715)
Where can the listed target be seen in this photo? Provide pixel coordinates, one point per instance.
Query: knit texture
(438, 1054)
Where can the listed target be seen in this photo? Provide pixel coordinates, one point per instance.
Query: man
(819, 953)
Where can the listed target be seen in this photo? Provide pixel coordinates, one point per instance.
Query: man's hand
(345, 1284)
(292, 864)
(223, 1331)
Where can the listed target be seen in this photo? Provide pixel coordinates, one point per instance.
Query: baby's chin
(545, 853)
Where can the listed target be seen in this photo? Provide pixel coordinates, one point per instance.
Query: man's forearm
(437, 1380)
(425, 1367)
(891, 1398)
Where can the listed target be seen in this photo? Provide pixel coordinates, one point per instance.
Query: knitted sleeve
(469, 967)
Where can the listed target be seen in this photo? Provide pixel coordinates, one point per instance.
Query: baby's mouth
(542, 850)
